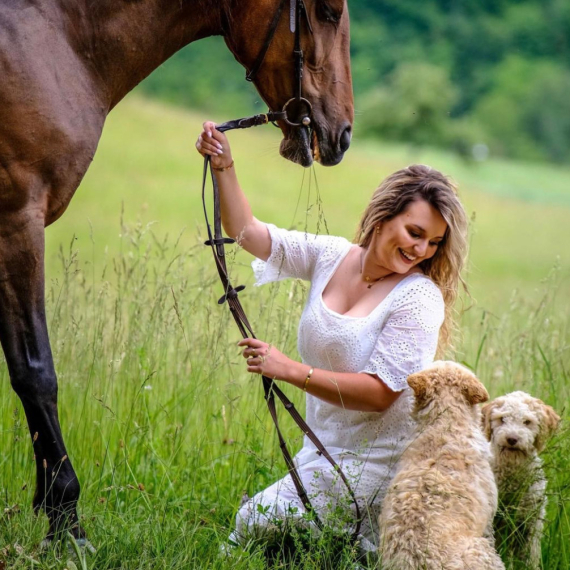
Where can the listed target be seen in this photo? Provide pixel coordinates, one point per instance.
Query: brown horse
(64, 65)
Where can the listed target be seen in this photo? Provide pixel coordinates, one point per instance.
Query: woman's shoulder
(418, 287)
(317, 241)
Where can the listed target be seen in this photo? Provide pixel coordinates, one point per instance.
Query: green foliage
(527, 109)
(413, 106)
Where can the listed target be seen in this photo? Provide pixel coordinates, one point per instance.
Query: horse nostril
(345, 139)
(511, 440)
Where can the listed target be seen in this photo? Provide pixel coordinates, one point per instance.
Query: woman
(377, 311)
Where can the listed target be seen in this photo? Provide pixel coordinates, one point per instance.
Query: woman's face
(410, 238)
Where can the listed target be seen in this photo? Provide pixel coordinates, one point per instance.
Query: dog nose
(512, 440)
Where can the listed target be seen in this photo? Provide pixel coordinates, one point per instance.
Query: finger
(209, 127)
(219, 137)
(255, 369)
(211, 148)
(252, 342)
(205, 152)
(208, 139)
(255, 353)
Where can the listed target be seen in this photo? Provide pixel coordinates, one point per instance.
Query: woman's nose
(421, 247)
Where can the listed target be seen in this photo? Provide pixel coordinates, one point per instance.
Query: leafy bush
(526, 113)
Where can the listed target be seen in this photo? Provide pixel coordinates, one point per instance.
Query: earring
(377, 229)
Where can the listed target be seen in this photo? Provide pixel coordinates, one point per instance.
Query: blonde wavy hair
(392, 197)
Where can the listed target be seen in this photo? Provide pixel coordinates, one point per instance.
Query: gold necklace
(367, 277)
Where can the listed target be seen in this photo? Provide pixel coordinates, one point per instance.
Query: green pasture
(164, 427)
(146, 164)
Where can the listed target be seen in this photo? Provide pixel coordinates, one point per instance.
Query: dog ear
(419, 382)
(473, 389)
(548, 425)
(486, 411)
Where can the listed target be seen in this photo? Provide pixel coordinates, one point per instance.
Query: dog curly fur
(439, 508)
(518, 427)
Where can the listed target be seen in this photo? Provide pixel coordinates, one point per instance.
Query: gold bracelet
(224, 168)
(308, 378)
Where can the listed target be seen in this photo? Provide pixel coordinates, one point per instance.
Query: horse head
(326, 84)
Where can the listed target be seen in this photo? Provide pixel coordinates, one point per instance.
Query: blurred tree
(527, 111)
(414, 105)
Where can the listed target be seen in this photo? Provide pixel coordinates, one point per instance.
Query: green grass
(147, 164)
(164, 427)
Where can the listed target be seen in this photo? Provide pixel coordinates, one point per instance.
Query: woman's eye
(414, 235)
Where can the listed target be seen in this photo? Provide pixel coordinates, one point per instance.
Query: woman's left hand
(263, 358)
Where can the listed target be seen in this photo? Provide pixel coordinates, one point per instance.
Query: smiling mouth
(407, 256)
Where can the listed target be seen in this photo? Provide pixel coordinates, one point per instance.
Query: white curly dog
(439, 508)
(518, 427)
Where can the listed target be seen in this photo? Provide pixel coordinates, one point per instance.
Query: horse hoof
(84, 545)
(74, 545)
(45, 544)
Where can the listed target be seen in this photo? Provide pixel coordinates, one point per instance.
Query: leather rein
(217, 241)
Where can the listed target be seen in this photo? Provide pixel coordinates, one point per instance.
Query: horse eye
(326, 13)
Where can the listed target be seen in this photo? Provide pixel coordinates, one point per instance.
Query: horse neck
(123, 41)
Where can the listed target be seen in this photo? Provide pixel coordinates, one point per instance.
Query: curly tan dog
(438, 511)
(518, 427)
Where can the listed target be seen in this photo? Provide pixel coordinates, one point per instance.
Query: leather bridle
(217, 241)
(296, 112)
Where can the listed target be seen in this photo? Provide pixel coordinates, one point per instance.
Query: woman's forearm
(237, 218)
(352, 391)
(234, 206)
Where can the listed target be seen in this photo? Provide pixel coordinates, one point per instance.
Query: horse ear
(486, 418)
(548, 425)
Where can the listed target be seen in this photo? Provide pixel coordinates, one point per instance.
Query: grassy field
(164, 427)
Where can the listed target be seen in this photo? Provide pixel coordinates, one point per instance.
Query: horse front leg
(24, 338)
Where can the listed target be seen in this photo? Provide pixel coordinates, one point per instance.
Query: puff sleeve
(408, 340)
(293, 254)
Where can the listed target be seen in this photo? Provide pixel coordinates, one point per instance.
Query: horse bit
(216, 241)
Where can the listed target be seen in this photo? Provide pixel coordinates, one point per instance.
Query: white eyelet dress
(399, 337)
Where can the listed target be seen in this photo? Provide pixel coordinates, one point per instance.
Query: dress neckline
(344, 316)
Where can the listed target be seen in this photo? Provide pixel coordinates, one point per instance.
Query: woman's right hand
(215, 144)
